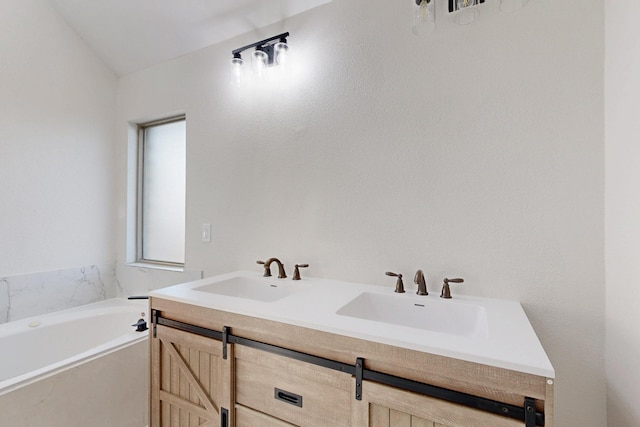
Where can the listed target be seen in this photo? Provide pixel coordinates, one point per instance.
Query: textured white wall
(57, 117)
(477, 153)
(623, 212)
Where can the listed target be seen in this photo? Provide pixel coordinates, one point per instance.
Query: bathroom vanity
(244, 350)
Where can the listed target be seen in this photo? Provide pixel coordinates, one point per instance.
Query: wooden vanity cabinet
(193, 384)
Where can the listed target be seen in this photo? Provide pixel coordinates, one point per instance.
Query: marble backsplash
(34, 294)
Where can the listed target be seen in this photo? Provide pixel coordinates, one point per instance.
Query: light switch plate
(206, 233)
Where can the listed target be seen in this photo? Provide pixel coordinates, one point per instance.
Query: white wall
(623, 212)
(57, 116)
(477, 153)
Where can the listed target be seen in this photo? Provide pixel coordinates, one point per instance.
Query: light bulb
(467, 12)
(424, 18)
(260, 63)
(281, 50)
(236, 70)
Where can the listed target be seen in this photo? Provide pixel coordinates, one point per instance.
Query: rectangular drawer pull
(287, 397)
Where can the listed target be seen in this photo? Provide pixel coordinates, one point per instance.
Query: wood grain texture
(421, 422)
(155, 404)
(379, 416)
(399, 419)
(549, 405)
(247, 417)
(322, 402)
(228, 384)
(405, 407)
(185, 380)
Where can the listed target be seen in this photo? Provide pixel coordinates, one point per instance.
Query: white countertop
(509, 342)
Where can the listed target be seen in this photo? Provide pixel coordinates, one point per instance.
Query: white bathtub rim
(112, 304)
(108, 347)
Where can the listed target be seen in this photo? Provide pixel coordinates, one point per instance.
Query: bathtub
(84, 366)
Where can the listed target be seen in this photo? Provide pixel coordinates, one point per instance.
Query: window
(161, 192)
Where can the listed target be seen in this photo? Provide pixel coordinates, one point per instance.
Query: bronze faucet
(399, 284)
(422, 284)
(267, 268)
(296, 271)
(446, 291)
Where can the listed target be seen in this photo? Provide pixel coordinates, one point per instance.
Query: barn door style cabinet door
(214, 368)
(190, 381)
(384, 406)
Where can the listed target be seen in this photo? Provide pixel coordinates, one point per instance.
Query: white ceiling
(131, 35)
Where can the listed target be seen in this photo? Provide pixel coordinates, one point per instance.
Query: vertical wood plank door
(186, 379)
(381, 416)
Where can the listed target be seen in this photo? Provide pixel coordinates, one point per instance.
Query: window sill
(155, 266)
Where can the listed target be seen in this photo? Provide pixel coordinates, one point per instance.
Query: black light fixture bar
(260, 44)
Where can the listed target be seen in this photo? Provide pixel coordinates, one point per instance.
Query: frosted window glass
(164, 188)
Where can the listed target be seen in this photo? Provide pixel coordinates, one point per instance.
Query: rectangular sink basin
(258, 289)
(427, 313)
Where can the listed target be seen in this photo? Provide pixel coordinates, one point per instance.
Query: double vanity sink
(480, 330)
(241, 349)
(466, 319)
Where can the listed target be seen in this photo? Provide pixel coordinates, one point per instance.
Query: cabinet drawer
(299, 393)
(246, 417)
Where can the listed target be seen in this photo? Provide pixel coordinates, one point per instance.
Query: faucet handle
(446, 291)
(399, 283)
(267, 269)
(296, 271)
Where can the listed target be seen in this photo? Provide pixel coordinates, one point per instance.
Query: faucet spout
(422, 284)
(267, 268)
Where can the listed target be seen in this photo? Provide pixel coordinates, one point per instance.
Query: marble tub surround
(34, 294)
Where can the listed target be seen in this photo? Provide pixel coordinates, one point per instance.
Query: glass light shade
(236, 71)
(467, 12)
(511, 5)
(424, 17)
(281, 50)
(260, 63)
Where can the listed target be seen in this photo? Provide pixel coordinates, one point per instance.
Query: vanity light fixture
(466, 11)
(268, 53)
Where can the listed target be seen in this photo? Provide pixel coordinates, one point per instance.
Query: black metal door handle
(287, 397)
